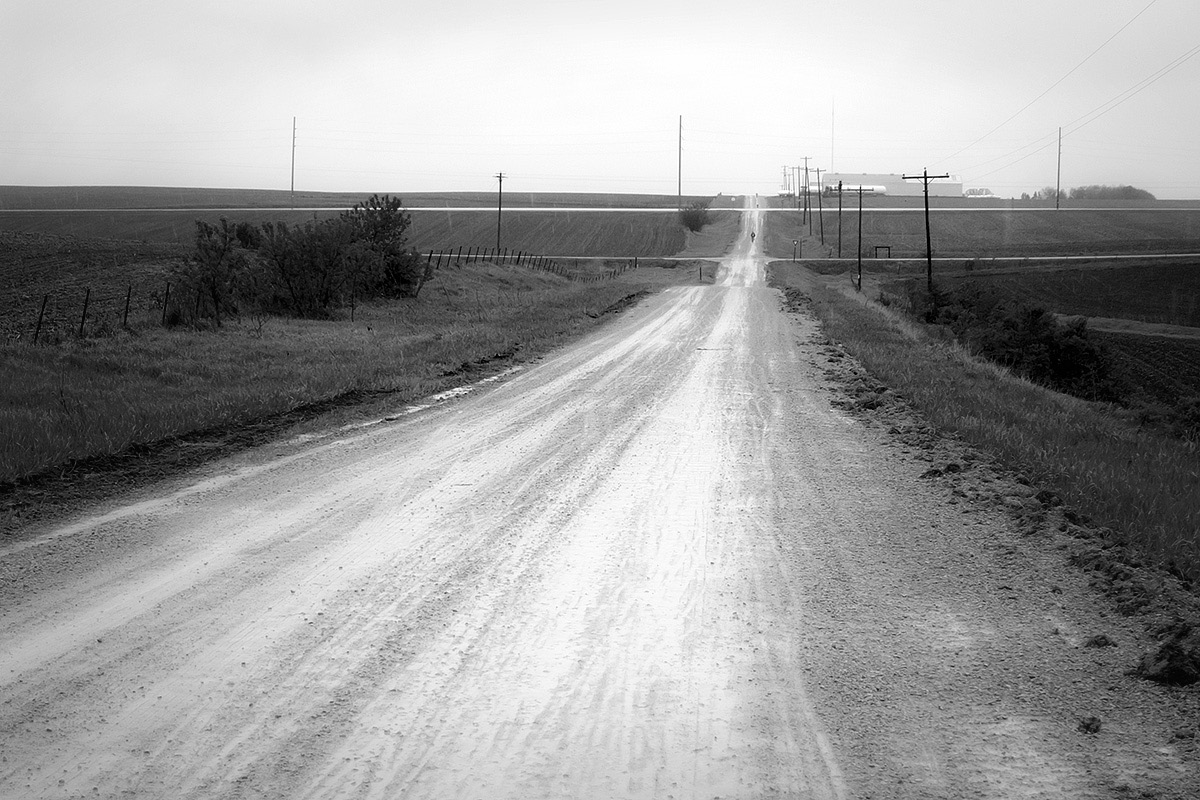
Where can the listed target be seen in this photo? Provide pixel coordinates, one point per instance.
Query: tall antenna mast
(1058, 178)
(680, 202)
(293, 189)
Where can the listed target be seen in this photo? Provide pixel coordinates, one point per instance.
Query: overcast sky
(586, 95)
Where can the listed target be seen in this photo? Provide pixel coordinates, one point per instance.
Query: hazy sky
(585, 95)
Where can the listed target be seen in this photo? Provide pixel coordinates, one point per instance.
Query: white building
(875, 183)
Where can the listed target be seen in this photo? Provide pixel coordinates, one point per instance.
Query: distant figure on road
(752, 236)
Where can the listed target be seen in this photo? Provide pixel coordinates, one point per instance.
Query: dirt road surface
(658, 564)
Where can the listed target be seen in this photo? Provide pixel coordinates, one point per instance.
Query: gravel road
(659, 563)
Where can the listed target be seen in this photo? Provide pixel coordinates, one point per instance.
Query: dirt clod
(1099, 640)
(1176, 662)
(1089, 725)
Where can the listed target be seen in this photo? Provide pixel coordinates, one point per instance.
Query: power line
(1056, 83)
(1091, 116)
(1134, 90)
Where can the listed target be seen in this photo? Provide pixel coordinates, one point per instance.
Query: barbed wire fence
(93, 311)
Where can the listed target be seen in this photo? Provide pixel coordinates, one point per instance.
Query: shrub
(695, 216)
(1028, 340)
(308, 269)
(213, 273)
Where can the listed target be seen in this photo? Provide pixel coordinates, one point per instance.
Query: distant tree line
(1094, 192)
(1110, 193)
(307, 270)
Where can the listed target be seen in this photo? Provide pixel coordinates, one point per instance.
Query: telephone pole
(293, 189)
(1058, 178)
(860, 236)
(499, 208)
(820, 206)
(925, 178)
(680, 201)
(839, 219)
(806, 215)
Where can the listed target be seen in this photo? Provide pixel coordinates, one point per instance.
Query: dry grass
(1143, 485)
(100, 396)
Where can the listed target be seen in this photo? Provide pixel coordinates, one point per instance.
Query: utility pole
(680, 202)
(859, 237)
(925, 178)
(293, 189)
(820, 206)
(839, 219)
(806, 215)
(1058, 179)
(499, 208)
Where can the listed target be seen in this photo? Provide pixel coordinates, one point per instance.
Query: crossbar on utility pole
(499, 207)
(925, 178)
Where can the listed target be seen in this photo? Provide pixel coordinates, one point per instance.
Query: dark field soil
(1160, 369)
(997, 232)
(1165, 293)
(114, 197)
(588, 233)
(61, 270)
(621, 234)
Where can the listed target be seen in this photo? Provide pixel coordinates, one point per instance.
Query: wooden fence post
(42, 313)
(83, 317)
(125, 316)
(166, 302)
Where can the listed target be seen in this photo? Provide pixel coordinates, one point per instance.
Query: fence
(82, 311)
(529, 260)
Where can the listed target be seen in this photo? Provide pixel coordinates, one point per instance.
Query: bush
(305, 270)
(1028, 340)
(383, 262)
(213, 274)
(695, 216)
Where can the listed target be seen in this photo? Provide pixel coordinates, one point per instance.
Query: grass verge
(100, 396)
(1144, 486)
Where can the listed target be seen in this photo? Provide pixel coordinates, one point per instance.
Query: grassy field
(98, 396)
(996, 232)
(1141, 484)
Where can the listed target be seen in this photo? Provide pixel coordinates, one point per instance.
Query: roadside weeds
(885, 373)
(315, 371)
